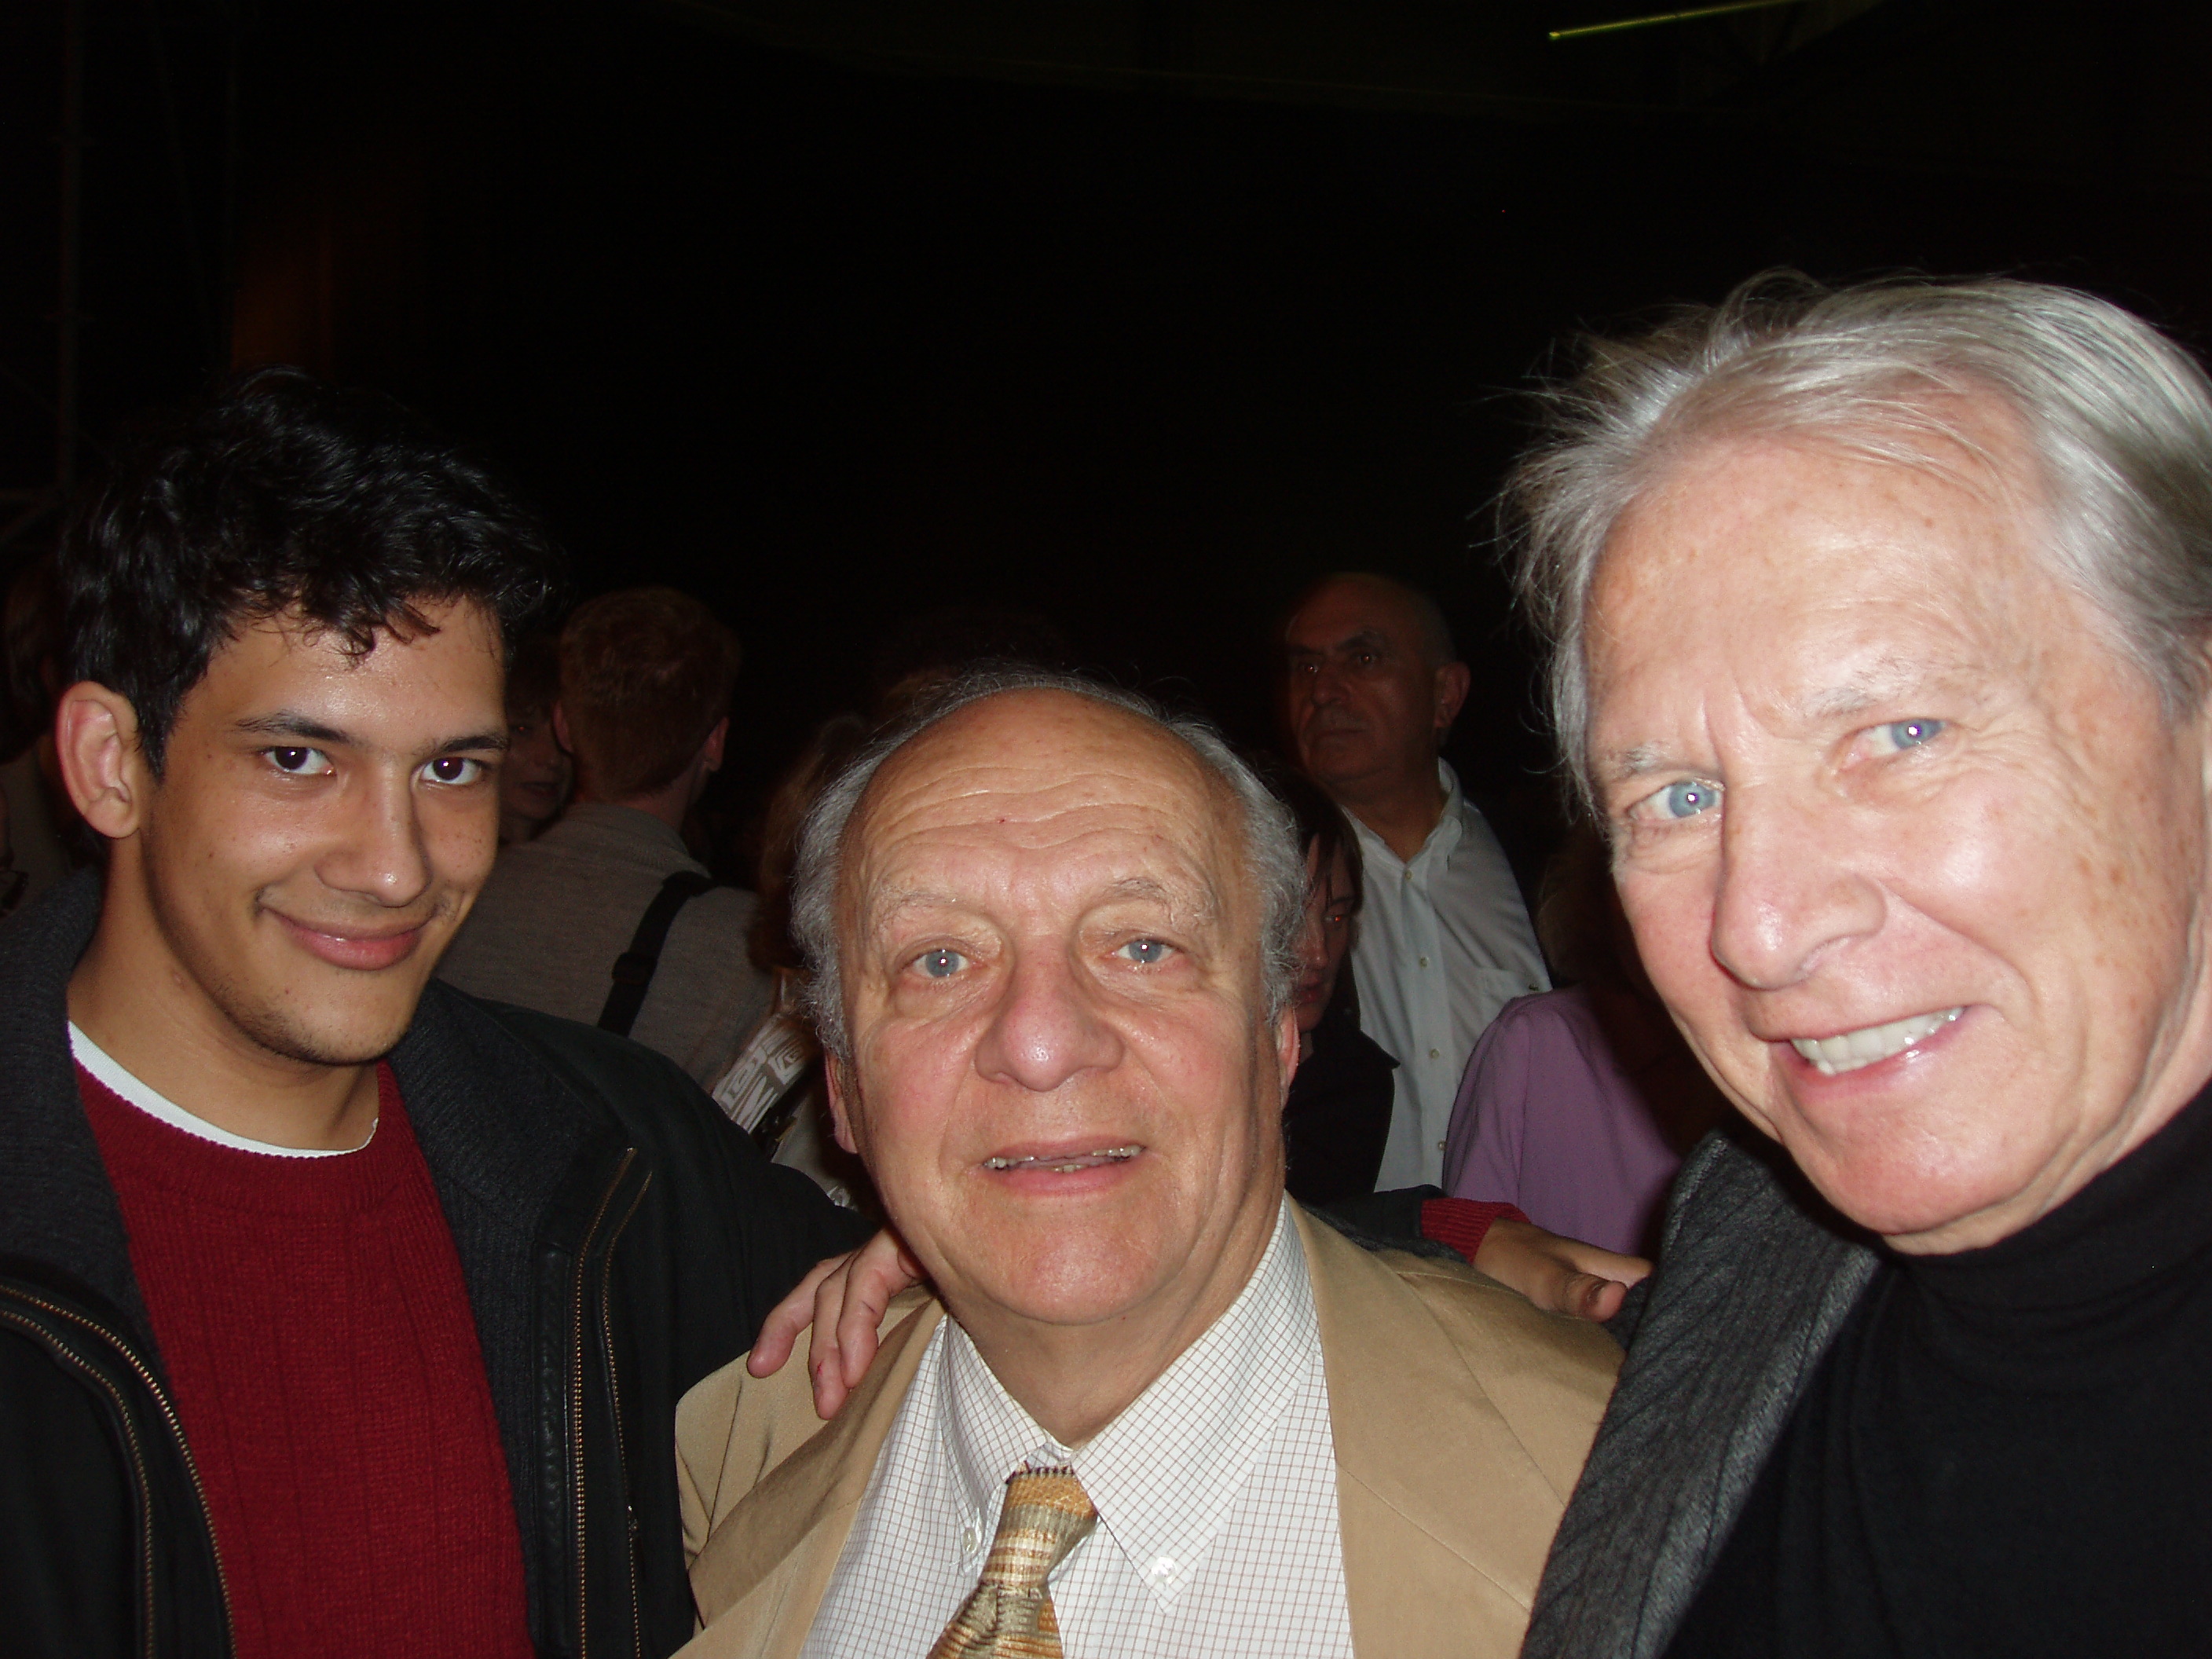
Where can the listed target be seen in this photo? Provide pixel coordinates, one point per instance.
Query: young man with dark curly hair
(339, 1312)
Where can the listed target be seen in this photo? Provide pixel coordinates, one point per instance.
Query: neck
(1076, 1379)
(131, 997)
(1402, 810)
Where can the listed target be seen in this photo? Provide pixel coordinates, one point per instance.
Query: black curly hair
(282, 496)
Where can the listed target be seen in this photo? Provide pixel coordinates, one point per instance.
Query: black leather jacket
(619, 1240)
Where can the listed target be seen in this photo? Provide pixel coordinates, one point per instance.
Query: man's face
(1909, 850)
(1063, 1079)
(1367, 706)
(322, 825)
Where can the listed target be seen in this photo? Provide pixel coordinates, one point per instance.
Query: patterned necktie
(1010, 1614)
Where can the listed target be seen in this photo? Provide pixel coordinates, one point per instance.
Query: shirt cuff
(1462, 1222)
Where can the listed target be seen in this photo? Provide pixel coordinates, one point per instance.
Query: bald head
(1028, 716)
(1372, 687)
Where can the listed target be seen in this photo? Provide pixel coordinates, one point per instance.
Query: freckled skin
(1045, 838)
(1763, 619)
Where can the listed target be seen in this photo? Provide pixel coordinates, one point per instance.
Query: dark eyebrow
(286, 724)
(1370, 639)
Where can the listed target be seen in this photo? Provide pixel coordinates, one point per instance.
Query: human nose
(1324, 683)
(381, 854)
(1046, 1027)
(1794, 890)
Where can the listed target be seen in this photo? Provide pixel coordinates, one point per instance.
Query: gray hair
(1273, 859)
(2118, 419)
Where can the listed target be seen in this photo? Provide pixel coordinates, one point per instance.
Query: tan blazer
(1462, 1417)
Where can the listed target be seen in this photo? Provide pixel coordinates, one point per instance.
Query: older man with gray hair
(1153, 1408)
(1881, 620)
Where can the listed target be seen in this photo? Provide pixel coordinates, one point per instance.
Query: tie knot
(1047, 1514)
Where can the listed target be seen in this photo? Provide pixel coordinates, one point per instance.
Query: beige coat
(1462, 1417)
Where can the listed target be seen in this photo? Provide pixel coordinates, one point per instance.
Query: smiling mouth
(1849, 1051)
(1067, 1163)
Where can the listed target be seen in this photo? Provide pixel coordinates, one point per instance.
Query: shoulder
(1545, 1017)
(1449, 1337)
(1507, 1338)
(639, 1093)
(610, 1071)
(734, 1430)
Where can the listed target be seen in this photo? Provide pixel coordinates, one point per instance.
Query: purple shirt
(1547, 1119)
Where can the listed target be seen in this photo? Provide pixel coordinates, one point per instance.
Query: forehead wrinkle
(894, 870)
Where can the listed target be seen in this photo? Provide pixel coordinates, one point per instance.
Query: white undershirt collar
(119, 1082)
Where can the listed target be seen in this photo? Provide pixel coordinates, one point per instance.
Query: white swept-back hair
(2117, 417)
(1273, 860)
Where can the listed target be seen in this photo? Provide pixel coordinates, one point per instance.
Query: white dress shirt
(1444, 943)
(1216, 1491)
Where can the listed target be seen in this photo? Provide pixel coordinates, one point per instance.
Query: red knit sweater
(318, 1339)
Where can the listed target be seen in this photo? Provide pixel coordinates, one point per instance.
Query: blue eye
(1144, 951)
(1685, 800)
(1911, 734)
(942, 964)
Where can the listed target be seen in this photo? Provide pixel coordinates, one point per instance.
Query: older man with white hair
(1153, 1407)
(1881, 620)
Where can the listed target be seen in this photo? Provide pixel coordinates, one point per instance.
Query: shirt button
(1425, 962)
(968, 1538)
(1440, 1145)
(1436, 1053)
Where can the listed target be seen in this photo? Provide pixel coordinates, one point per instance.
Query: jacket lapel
(769, 1564)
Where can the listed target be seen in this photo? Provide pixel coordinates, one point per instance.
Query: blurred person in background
(533, 782)
(1579, 1105)
(46, 839)
(1373, 686)
(1337, 1114)
(773, 1088)
(606, 917)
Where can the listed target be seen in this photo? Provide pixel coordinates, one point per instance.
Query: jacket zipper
(614, 1400)
(576, 1403)
(138, 1460)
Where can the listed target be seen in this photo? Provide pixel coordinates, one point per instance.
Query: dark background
(1140, 315)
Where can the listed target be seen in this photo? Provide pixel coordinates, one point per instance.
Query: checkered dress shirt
(1216, 1491)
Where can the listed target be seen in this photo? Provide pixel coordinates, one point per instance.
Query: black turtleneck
(2008, 1451)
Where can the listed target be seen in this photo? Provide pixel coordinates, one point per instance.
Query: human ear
(1286, 1046)
(841, 1088)
(102, 766)
(561, 729)
(1452, 681)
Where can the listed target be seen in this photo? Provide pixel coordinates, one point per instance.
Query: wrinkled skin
(1865, 759)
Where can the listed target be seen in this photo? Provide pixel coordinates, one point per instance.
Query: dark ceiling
(1138, 314)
